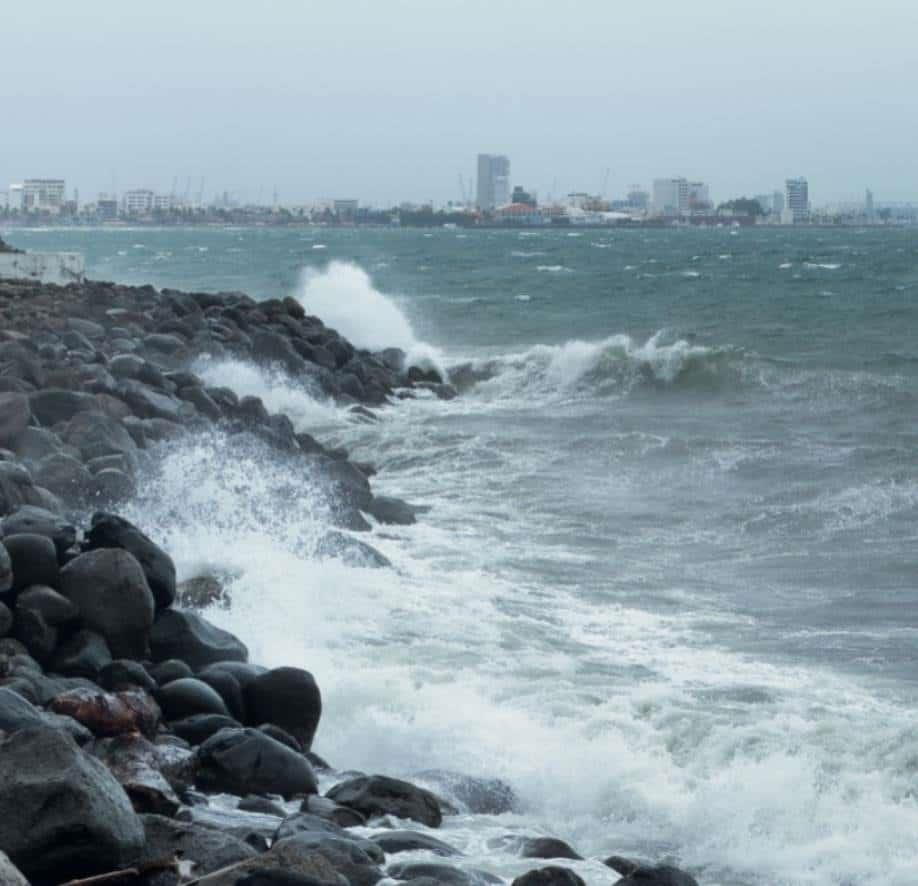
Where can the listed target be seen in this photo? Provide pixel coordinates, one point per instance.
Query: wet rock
(169, 670)
(36, 444)
(650, 875)
(393, 842)
(261, 805)
(110, 486)
(62, 813)
(391, 510)
(110, 589)
(6, 569)
(55, 405)
(547, 847)
(342, 816)
(377, 795)
(427, 872)
(84, 654)
(54, 608)
(229, 690)
(278, 734)
(189, 696)
(192, 639)
(33, 520)
(110, 531)
(347, 856)
(147, 403)
(34, 560)
(107, 714)
(64, 476)
(6, 620)
(200, 592)
(289, 698)
(14, 418)
(17, 713)
(95, 434)
(481, 796)
(246, 761)
(125, 674)
(351, 551)
(38, 637)
(207, 849)
(134, 762)
(550, 876)
(199, 727)
(16, 487)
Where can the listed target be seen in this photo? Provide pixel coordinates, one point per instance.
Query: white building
(43, 194)
(138, 202)
(671, 196)
(798, 199)
(14, 197)
(493, 188)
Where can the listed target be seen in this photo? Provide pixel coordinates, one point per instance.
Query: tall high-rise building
(671, 196)
(798, 199)
(777, 202)
(493, 181)
(868, 203)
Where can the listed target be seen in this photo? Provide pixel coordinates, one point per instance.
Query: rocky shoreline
(139, 743)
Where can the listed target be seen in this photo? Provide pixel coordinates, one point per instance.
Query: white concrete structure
(670, 196)
(493, 187)
(138, 202)
(48, 267)
(43, 194)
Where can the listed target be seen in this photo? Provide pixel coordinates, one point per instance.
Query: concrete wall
(49, 267)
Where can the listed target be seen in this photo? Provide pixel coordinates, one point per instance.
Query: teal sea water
(668, 584)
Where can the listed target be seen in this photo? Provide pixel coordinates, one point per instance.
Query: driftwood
(127, 875)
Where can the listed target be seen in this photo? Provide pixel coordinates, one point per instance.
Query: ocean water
(668, 584)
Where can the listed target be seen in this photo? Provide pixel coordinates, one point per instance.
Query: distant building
(766, 201)
(637, 197)
(698, 196)
(107, 207)
(493, 187)
(43, 194)
(14, 198)
(868, 203)
(346, 210)
(798, 199)
(164, 202)
(523, 197)
(777, 202)
(670, 196)
(138, 202)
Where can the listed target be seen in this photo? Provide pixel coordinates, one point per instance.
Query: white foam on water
(344, 297)
(552, 269)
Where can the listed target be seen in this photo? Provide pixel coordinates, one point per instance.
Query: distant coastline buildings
(797, 204)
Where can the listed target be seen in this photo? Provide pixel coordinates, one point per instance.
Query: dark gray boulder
(479, 795)
(547, 847)
(53, 607)
(654, 875)
(84, 654)
(246, 761)
(16, 487)
(322, 807)
(14, 418)
(194, 640)
(6, 569)
(39, 521)
(18, 713)
(430, 872)
(197, 728)
(38, 637)
(228, 688)
(63, 475)
(110, 589)
(110, 487)
(550, 876)
(125, 674)
(36, 444)
(34, 560)
(135, 763)
(393, 842)
(111, 531)
(377, 795)
(95, 434)
(6, 620)
(391, 510)
(54, 405)
(347, 856)
(172, 669)
(187, 697)
(206, 848)
(62, 813)
(289, 698)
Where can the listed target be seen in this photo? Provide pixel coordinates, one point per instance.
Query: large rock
(134, 761)
(393, 842)
(17, 713)
(286, 697)
(39, 521)
(95, 435)
(84, 654)
(16, 487)
(110, 531)
(6, 569)
(550, 876)
(110, 589)
(14, 418)
(107, 713)
(53, 607)
(637, 874)
(431, 873)
(34, 560)
(199, 727)
(194, 640)
(547, 847)
(205, 848)
(246, 761)
(54, 405)
(63, 475)
(347, 856)
(481, 796)
(187, 697)
(62, 813)
(376, 795)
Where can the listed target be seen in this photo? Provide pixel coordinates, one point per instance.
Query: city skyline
(314, 101)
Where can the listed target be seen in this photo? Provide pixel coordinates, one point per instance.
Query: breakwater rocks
(139, 745)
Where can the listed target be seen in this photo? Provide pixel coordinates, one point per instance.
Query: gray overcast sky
(391, 99)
